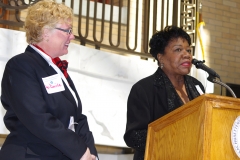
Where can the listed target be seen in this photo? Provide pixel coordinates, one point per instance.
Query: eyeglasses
(69, 31)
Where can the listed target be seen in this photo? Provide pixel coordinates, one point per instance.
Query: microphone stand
(214, 80)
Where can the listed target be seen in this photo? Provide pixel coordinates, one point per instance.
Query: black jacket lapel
(49, 71)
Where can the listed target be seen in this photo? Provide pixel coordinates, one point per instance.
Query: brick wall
(222, 45)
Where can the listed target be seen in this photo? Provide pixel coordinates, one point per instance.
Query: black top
(38, 122)
(150, 99)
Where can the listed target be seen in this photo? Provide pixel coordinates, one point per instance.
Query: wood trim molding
(5, 15)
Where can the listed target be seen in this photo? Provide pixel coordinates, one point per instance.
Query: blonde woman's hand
(87, 155)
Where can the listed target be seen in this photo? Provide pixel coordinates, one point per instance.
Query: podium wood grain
(198, 130)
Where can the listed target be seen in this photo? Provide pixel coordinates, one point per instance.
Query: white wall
(102, 79)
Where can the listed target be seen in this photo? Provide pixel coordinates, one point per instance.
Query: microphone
(199, 64)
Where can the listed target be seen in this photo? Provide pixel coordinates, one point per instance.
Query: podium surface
(198, 130)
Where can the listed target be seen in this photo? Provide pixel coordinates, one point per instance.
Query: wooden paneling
(5, 15)
(200, 130)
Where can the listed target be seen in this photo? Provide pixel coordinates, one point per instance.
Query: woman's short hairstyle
(161, 39)
(45, 14)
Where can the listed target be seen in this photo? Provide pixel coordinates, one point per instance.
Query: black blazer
(149, 99)
(38, 122)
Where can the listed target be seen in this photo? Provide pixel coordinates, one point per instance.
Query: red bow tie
(61, 64)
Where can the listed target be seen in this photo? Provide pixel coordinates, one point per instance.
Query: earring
(161, 65)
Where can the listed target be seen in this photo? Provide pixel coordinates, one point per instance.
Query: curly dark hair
(160, 39)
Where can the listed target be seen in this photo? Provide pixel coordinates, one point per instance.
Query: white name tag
(53, 84)
(199, 89)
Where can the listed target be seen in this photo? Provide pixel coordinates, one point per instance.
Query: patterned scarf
(173, 100)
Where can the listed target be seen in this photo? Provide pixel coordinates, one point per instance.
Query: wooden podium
(199, 130)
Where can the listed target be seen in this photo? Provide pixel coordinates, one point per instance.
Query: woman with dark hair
(167, 89)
